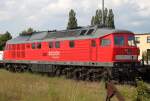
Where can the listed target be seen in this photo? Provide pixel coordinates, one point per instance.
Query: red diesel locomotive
(82, 53)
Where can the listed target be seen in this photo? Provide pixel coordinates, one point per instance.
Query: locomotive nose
(128, 51)
(126, 54)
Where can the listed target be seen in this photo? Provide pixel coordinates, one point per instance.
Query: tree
(23, 32)
(72, 23)
(108, 18)
(142, 91)
(28, 31)
(146, 56)
(3, 39)
(105, 16)
(97, 19)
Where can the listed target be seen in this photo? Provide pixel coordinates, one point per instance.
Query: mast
(102, 12)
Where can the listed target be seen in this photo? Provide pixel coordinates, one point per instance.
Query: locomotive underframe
(92, 72)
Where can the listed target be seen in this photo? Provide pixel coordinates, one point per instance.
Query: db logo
(54, 54)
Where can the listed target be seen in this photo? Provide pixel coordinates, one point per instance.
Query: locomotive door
(93, 50)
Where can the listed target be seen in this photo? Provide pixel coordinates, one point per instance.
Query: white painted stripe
(126, 57)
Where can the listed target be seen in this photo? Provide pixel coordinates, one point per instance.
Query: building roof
(82, 33)
(143, 34)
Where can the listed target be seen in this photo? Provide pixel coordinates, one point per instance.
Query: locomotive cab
(125, 49)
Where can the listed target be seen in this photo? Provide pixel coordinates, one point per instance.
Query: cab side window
(119, 40)
(105, 42)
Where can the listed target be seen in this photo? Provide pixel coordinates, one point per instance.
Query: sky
(17, 15)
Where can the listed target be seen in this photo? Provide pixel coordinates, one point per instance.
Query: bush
(143, 93)
(146, 56)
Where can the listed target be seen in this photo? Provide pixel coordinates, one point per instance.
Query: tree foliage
(108, 18)
(146, 56)
(143, 93)
(106, 15)
(28, 31)
(3, 39)
(72, 23)
(92, 20)
(97, 19)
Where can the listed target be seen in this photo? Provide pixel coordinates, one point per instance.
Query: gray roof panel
(65, 35)
(38, 36)
(105, 31)
(19, 39)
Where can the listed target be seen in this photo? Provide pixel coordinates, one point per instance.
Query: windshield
(119, 40)
(131, 41)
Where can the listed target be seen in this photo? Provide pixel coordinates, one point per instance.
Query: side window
(137, 40)
(71, 44)
(57, 44)
(148, 39)
(119, 40)
(93, 43)
(105, 42)
(39, 45)
(90, 31)
(33, 45)
(83, 32)
(50, 44)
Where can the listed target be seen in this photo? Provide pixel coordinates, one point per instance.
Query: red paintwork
(82, 52)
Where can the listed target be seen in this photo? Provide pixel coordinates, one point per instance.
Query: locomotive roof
(82, 33)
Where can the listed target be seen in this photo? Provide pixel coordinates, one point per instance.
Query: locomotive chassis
(90, 72)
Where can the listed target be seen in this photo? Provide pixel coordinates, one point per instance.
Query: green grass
(31, 87)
